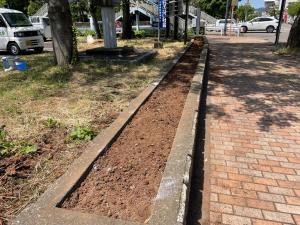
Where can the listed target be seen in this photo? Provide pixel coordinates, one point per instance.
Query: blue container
(21, 65)
(5, 63)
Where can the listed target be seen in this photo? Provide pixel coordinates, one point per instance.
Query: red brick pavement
(253, 121)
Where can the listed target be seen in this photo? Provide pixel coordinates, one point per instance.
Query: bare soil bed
(124, 181)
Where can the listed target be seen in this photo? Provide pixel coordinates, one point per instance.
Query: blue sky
(255, 3)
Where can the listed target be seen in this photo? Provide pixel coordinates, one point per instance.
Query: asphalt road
(270, 37)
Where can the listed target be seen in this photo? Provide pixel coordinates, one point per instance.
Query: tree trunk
(168, 22)
(126, 25)
(93, 11)
(168, 27)
(62, 33)
(175, 34)
(294, 36)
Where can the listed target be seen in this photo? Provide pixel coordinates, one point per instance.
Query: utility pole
(246, 12)
(186, 20)
(280, 22)
(167, 18)
(176, 14)
(226, 16)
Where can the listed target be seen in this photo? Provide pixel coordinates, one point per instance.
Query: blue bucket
(21, 65)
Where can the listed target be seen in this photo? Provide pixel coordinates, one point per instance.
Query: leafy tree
(2, 3)
(34, 6)
(274, 11)
(245, 12)
(216, 8)
(293, 8)
(20, 5)
(79, 10)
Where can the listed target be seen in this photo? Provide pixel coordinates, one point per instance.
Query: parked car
(17, 33)
(220, 26)
(230, 22)
(43, 24)
(268, 24)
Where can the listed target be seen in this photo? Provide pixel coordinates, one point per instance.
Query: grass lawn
(49, 113)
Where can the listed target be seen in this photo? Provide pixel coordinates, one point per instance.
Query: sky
(255, 3)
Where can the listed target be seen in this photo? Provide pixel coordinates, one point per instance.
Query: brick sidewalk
(253, 120)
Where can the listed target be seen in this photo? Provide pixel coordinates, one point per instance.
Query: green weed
(82, 134)
(8, 147)
(52, 123)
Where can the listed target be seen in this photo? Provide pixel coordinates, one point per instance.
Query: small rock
(95, 167)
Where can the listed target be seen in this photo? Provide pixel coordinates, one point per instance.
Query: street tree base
(158, 44)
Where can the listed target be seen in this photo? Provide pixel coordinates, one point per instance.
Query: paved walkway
(253, 123)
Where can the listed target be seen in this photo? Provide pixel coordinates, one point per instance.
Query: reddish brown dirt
(24, 178)
(124, 181)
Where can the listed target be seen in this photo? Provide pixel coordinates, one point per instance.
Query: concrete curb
(172, 200)
(146, 56)
(46, 210)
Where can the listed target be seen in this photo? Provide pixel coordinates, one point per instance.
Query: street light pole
(280, 22)
(186, 20)
(226, 17)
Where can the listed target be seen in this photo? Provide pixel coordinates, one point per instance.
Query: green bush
(294, 8)
(140, 33)
(89, 33)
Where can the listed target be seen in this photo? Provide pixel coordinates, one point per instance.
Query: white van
(43, 24)
(17, 33)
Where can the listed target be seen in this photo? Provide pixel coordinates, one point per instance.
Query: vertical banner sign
(162, 14)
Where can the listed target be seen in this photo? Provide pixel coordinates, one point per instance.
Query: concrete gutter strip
(171, 204)
(45, 210)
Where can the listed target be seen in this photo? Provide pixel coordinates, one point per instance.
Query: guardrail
(235, 29)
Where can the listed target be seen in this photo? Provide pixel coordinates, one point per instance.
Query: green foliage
(52, 123)
(86, 33)
(274, 10)
(28, 149)
(8, 147)
(34, 6)
(79, 10)
(2, 134)
(294, 8)
(288, 51)
(215, 8)
(82, 134)
(75, 49)
(2, 3)
(140, 33)
(245, 12)
(20, 5)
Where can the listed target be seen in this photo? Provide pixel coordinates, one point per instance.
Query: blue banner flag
(162, 13)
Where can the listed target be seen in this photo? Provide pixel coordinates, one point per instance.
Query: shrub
(140, 33)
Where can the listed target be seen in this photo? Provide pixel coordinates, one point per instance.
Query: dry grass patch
(43, 105)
